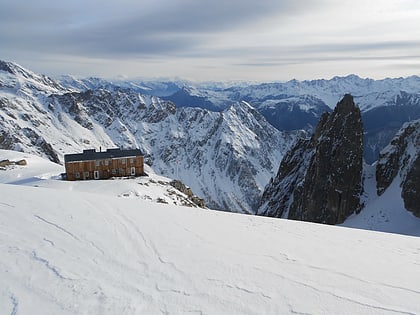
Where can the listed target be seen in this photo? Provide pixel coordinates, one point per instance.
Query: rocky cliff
(320, 179)
(400, 160)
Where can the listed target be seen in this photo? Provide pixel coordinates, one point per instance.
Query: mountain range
(224, 141)
(385, 104)
(226, 157)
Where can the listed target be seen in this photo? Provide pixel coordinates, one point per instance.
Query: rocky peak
(6, 66)
(15, 77)
(401, 160)
(320, 178)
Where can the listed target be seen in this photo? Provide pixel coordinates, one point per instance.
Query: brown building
(101, 165)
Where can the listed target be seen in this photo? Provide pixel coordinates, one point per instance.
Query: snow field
(70, 252)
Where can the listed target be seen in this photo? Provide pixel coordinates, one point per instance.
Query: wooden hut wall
(106, 167)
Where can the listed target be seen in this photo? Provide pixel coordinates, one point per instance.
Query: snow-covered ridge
(15, 78)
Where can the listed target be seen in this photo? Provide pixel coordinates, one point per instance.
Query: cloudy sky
(258, 40)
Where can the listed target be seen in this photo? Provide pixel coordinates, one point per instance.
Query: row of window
(106, 162)
(96, 173)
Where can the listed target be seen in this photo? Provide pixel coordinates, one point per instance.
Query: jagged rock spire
(320, 179)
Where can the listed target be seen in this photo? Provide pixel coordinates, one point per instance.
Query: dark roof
(91, 154)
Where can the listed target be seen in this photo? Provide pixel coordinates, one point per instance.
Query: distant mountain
(382, 122)
(226, 157)
(155, 88)
(385, 104)
(185, 97)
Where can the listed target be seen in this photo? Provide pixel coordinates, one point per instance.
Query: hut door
(96, 174)
(133, 171)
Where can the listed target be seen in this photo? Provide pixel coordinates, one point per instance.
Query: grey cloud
(273, 62)
(127, 28)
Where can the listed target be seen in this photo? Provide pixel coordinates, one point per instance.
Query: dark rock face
(402, 157)
(320, 179)
(5, 66)
(411, 188)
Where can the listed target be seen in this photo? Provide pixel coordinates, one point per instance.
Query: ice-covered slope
(70, 252)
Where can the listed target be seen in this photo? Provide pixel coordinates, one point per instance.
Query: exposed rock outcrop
(401, 158)
(177, 184)
(6, 163)
(320, 179)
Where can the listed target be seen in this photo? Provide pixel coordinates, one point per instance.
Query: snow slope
(384, 213)
(65, 251)
(40, 172)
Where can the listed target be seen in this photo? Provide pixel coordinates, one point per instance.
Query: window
(106, 162)
(85, 175)
(122, 161)
(77, 175)
(98, 163)
(113, 171)
(131, 160)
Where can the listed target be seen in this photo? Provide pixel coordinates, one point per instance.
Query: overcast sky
(258, 40)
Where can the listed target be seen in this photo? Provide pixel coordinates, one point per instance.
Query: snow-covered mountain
(225, 157)
(385, 104)
(368, 93)
(85, 248)
(323, 179)
(155, 88)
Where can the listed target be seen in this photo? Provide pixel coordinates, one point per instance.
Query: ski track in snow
(48, 265)
(57, 226)
(7, 205)
(15, 304)
(49, 241)
(335, 295)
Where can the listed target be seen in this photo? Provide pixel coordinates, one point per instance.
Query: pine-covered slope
(226, 157)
